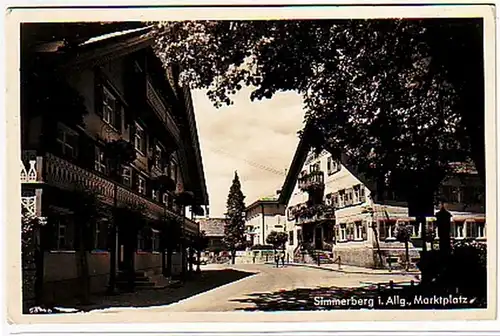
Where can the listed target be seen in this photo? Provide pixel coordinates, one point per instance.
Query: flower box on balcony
(312, 181)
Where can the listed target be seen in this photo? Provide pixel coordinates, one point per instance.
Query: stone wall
(365, 255)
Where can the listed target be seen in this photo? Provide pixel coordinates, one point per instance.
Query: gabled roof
(298, 161)
(91, 44)
(213, 227)
(262, 202)
(305, 147)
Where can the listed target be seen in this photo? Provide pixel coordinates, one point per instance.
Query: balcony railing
(161, 110)
(312, 181)
(65, 175)
(309, 214)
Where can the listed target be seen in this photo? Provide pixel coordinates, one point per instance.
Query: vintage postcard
(251, 164)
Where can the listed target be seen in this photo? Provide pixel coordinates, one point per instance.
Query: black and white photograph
(245, 164)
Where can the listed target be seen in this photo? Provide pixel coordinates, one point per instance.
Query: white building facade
(351, 227)
(263, 217)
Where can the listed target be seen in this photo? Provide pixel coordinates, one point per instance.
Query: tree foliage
(277, 239)
(234, 230)
(380, 91)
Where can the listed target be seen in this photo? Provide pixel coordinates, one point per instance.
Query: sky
(257, 139)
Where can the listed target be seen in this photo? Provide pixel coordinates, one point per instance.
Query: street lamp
(371, 211)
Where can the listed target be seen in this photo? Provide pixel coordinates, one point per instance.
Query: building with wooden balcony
(85, 86)
(331, 207)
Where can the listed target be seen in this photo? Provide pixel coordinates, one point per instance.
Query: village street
(249, 287)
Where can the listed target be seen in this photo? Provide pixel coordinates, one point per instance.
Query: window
(342, 199)
(67, 140)
(359, 194)
(314, 167)
(140, 139)
(155, 240)
(140, 241)
(343, 232)
(173, 171)
(415, 229)
(481, 232)
(348, 197)
(459, 230)
(358, 231)
(63, 233)
(335, 200)
(332, 165)
(141, 185)
(100, 235)
(127, 176)
(350, 231)
(154, 195)
(390, 231)
(110, 109)
(158, 157)
(165, 199)
(99, 161)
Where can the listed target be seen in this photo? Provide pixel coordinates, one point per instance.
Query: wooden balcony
(314, 219)
(55, 171)
(155, 101)
(313, 214)
(314, 180)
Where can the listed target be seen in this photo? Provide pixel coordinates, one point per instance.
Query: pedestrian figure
(283, 258)
(277, 259)
(253, 258)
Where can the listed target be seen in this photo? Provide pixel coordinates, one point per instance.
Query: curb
(348, 272)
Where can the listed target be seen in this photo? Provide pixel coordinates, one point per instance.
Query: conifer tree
(234, 230)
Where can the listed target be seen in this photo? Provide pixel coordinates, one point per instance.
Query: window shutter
(363, 230)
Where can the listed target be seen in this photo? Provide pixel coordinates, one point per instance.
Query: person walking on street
(283, 258)
(277, 259)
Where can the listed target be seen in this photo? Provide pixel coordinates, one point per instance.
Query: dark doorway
(126, 250)
(318, 238)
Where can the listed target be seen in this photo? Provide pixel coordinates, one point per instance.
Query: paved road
(271, 289)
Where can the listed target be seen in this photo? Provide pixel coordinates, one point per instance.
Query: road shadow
(198, 283)
(355, 298)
